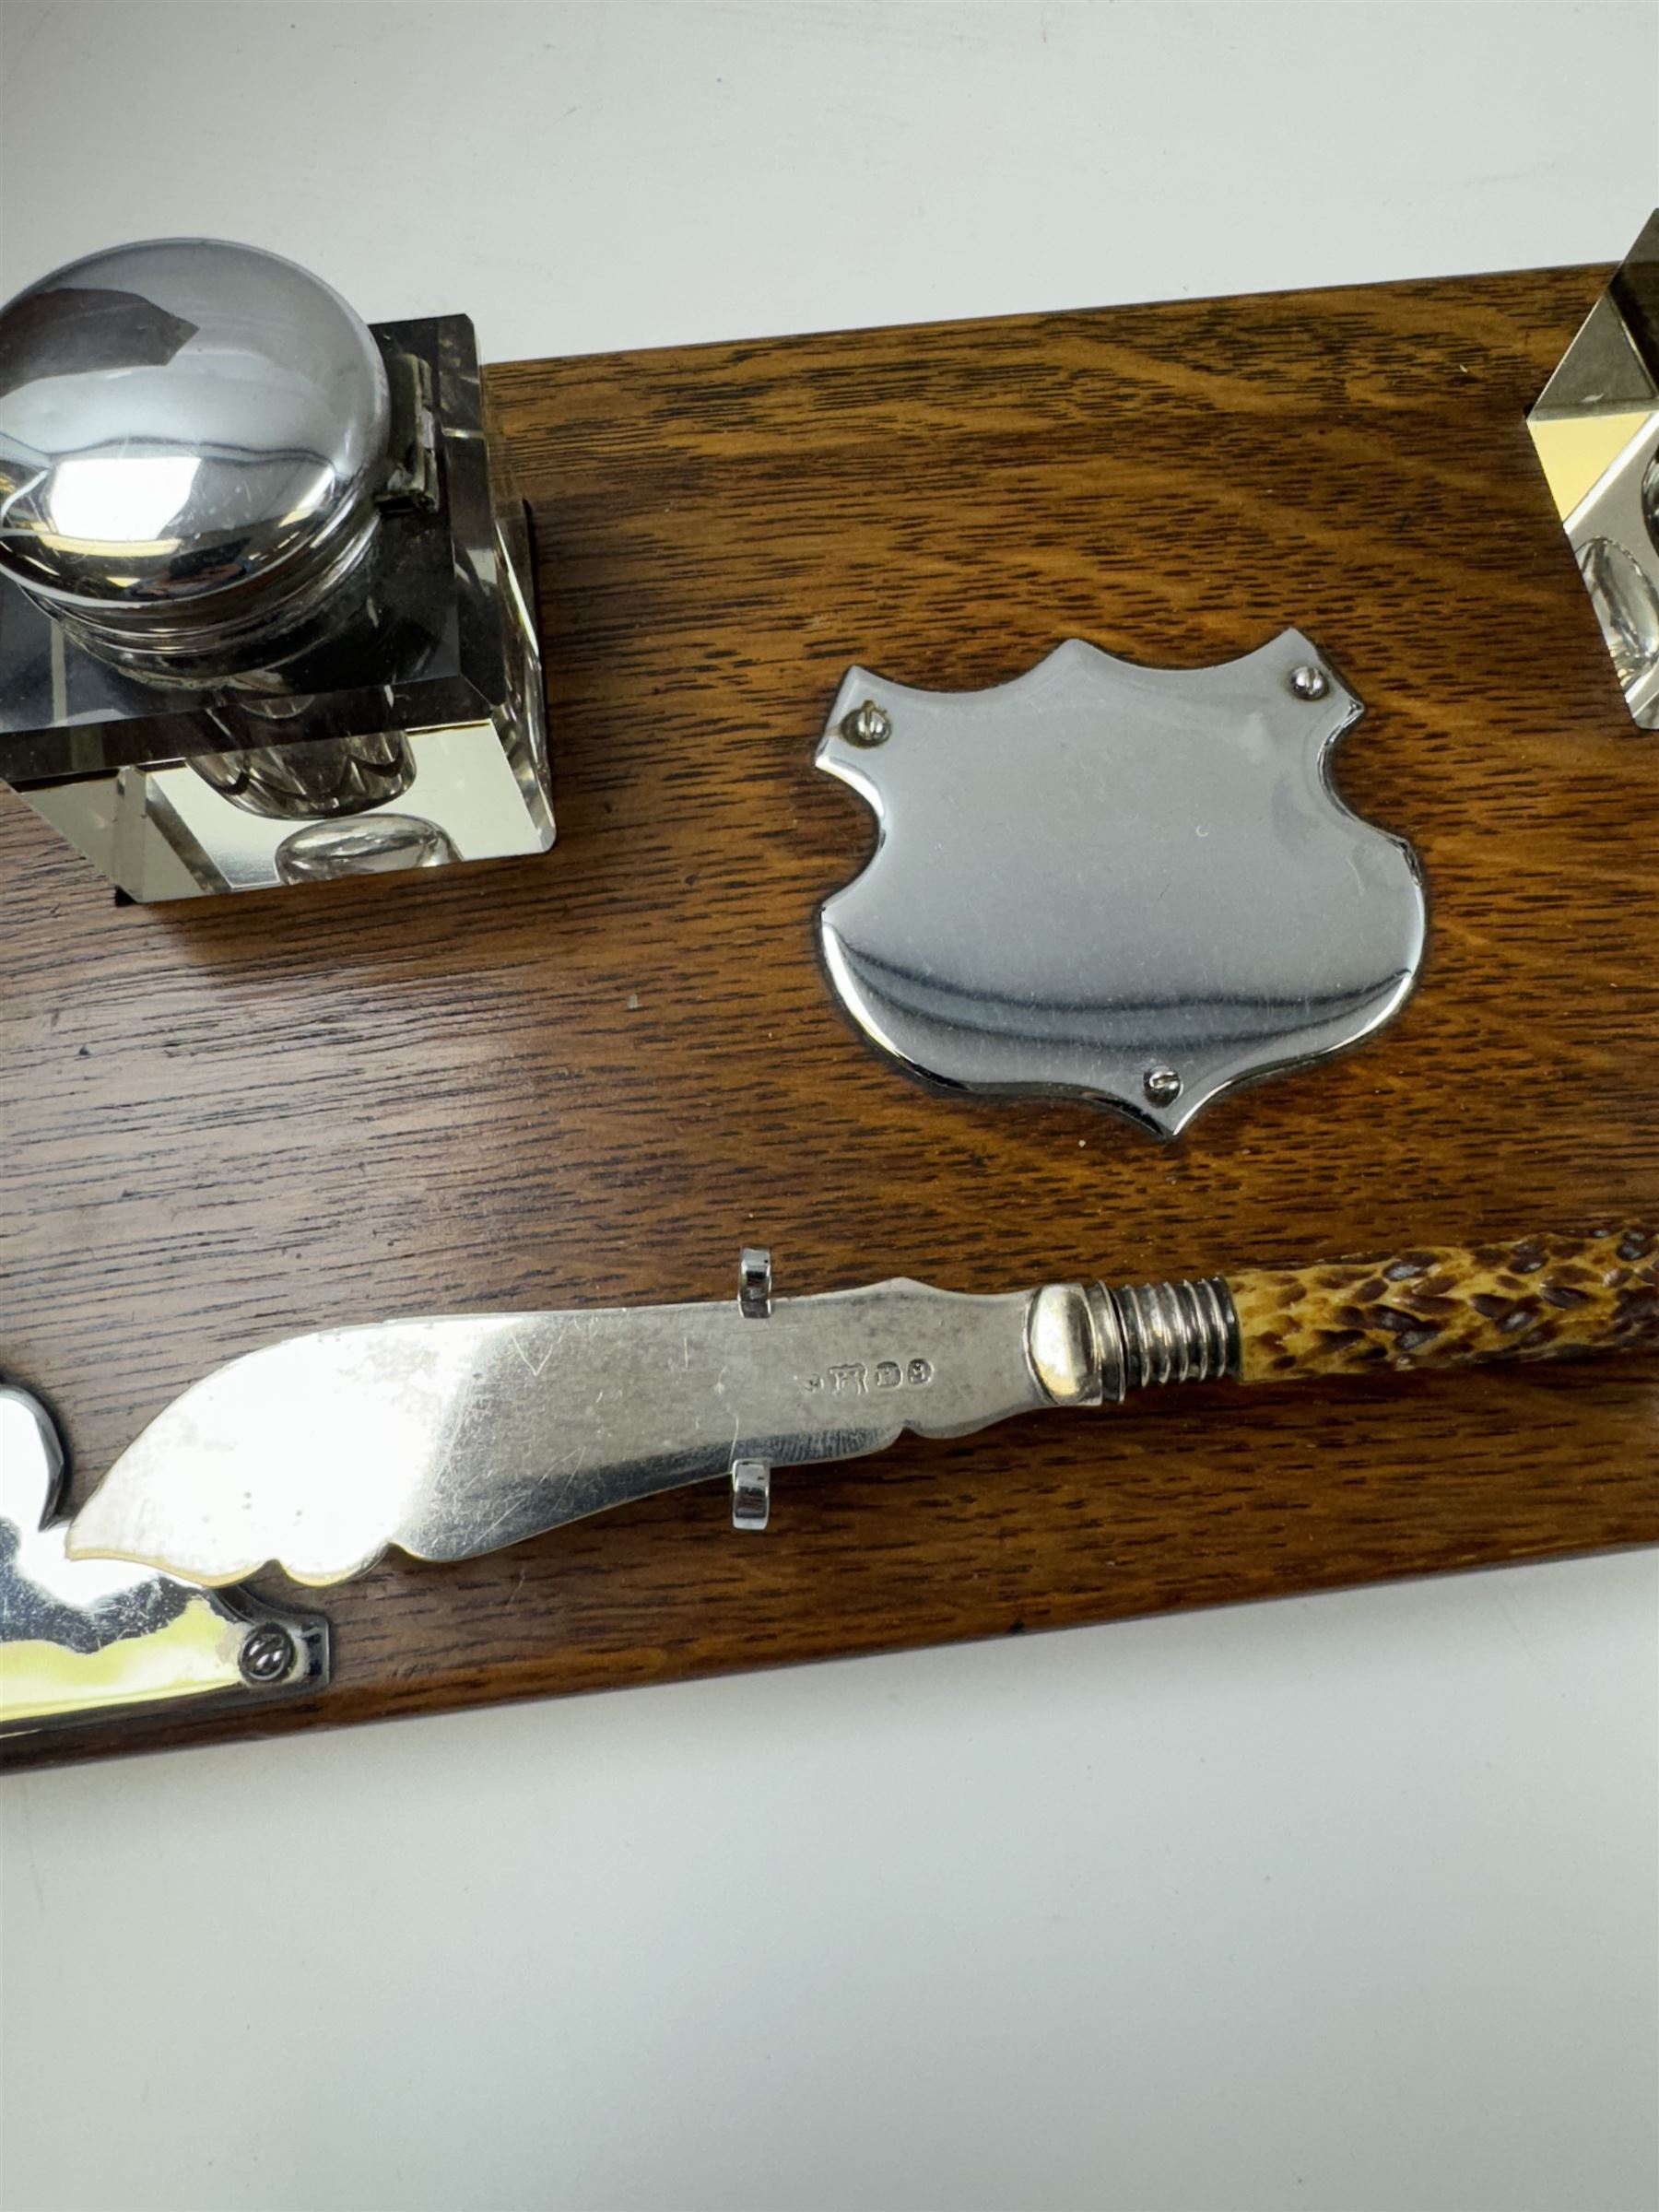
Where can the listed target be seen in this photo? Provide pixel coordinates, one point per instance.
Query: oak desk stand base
(593, 1075)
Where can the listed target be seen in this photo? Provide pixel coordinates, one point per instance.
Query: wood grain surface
(593, 1075)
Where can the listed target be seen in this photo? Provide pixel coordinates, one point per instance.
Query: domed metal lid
(190, 431)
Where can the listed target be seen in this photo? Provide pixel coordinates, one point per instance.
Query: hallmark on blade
(854, 1377)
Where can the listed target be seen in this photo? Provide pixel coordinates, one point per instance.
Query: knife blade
(453, 1437)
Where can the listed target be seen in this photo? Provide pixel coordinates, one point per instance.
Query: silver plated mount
(1132, 884)
(81, 1640)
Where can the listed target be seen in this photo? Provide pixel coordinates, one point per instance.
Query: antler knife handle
(1543, 1297)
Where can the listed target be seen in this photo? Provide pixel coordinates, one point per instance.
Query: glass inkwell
(266, 590)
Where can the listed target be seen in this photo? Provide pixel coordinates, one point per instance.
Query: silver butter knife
(449, 1438)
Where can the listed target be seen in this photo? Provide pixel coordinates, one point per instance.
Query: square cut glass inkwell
(1595, 427)
(265, 586)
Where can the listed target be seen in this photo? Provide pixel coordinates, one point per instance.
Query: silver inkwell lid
(193, 437)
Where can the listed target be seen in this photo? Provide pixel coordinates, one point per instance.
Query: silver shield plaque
(1132, 884)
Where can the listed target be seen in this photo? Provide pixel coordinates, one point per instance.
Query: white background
(1347, 1905)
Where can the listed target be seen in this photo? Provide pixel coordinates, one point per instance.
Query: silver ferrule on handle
(1091, 1345)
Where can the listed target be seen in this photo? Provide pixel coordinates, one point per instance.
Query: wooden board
(592, 1076)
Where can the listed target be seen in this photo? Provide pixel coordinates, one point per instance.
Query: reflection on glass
(310, 777)
(375, 847)
(1626, 605)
